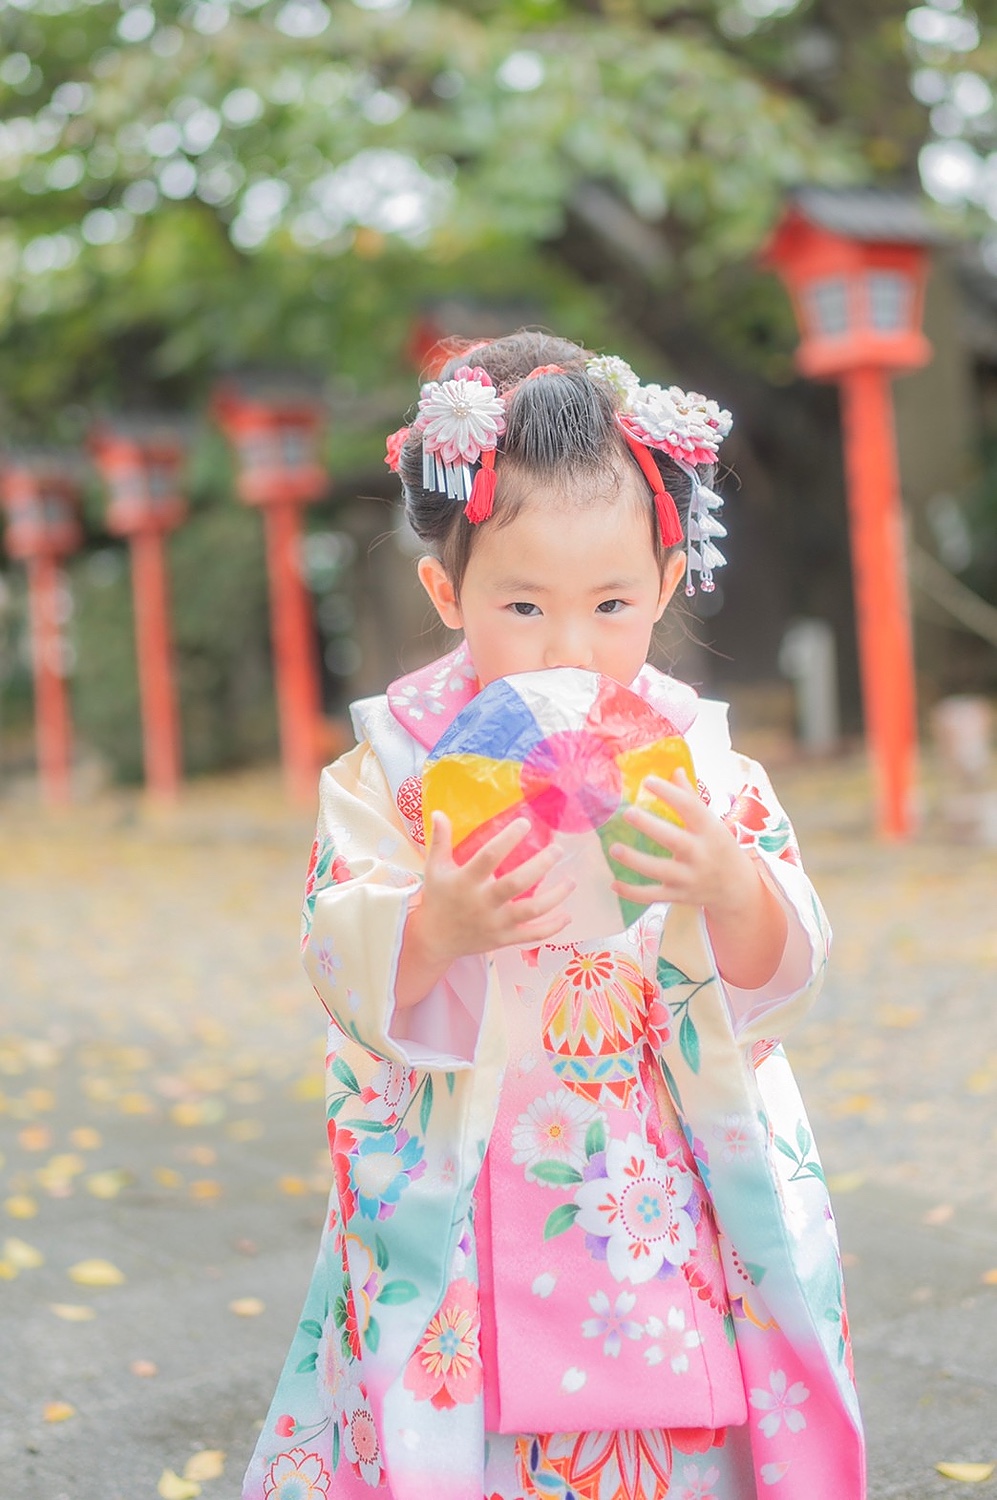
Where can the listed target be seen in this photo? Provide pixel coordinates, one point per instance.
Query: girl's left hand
(706, 866)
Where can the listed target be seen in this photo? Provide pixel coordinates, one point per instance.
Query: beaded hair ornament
(460, 421)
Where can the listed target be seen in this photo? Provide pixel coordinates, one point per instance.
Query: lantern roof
(875, 215)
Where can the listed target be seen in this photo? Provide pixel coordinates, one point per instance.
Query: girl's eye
(522, 608)
(611, 606)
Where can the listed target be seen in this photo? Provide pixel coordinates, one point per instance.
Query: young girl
(541, 1282)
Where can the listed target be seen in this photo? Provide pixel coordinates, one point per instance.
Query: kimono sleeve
(760, 825)
(365, 873)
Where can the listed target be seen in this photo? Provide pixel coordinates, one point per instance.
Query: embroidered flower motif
(696, 1486)
(593, 1017)
(639, 1210)
(335, 1362)
(296, 1475)
(553, 1129)
(611, 1324)
(381, 1169)
(329, 961)
(386, 1096)
(703, 1268)
(677, 1338)
(747, 816)
(365, 1279)
(360, 1441)
(342, 1143)
(446, 1367)
(624, 1465)
(780, 1405)
(736, 1132)
(461, 417)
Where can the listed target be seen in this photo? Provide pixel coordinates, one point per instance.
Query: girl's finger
(531, 908)
(669, 835)
(498, 848)
(440, 839)
(654, 866)
(528, 874)
(680, 794)
(643, 895)
(539, 931)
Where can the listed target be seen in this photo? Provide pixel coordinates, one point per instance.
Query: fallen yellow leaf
(968, 1473)
(85, 1138)
(845, 1182)
(989, 1278)
(312, 1086)
(95, 1273)
(294, 1187)
(208, 1464)
(205, 1188)
(939, 1215)
(57, 1411)
(172, 1487)
(204, 1156)
(134, 1103)
(7, 1271)
(22, 1255)
(35, 1137)
(20, 1206)
(244, 1130)
(246, 1307)
(168, 1177)
(66, 1164)
(144, 1368)
(72, 1312)
(107, 1184)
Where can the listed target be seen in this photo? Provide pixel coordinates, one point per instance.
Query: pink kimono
(580, 1244)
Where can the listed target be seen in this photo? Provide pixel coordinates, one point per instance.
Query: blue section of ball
(497, 723)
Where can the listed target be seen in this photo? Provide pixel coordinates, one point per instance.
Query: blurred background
(191, 190)
(231, 235)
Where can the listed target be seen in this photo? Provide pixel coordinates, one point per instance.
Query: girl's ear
(436, 581)
(671, 578)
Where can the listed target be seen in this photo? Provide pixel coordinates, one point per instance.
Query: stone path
(160, 1110)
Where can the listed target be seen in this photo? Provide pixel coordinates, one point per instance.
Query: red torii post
(855, 262)
(141, 465)
(275, 431)
(40, 494)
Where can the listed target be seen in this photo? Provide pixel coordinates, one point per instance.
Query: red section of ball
(572, 781)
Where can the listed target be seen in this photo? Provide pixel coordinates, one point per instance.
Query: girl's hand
(706, 866)
(467, 909)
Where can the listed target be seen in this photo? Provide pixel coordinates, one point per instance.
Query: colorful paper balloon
(568, 751)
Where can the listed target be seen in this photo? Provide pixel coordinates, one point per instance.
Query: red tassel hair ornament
(667, 511)
(482, 498)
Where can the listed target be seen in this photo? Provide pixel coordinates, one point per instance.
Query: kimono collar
(427, 701)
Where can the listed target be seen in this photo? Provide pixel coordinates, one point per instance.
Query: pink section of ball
(572, 781)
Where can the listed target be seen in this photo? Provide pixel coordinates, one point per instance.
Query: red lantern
(40, 496)
(141, 466)
(855, 263)
(275, 431)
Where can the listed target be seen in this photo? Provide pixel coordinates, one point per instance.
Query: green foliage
(213, 183)
(218, 587)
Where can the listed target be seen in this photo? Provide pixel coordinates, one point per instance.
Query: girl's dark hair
(560, 428)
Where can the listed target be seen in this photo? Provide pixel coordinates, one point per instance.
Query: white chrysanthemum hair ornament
(460, 422)
(689, 428)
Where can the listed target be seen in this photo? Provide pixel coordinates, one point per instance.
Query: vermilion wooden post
(886, 653)
(275, 432)
(855, 266)
(141, 464)
(40, 496)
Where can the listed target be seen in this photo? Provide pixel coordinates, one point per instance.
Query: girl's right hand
(469, 909)
(466, 909)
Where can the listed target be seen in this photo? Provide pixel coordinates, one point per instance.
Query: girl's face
(559, 586)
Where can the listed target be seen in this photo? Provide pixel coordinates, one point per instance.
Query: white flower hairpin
(460, 421)
(689, 428)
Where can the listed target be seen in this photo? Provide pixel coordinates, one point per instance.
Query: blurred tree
(188, 184)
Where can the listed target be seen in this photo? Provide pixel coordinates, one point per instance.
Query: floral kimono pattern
(670, 1238)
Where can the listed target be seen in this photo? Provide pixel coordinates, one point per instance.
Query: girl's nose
(568, 649)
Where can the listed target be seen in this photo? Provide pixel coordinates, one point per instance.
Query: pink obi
(603, 1301)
